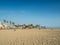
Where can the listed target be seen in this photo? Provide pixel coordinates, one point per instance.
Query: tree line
(22, 26)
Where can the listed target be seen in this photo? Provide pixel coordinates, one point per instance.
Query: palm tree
(5, 21)
(12, 24)
(30, 26)
(24, 26)
(37, 26)
(16, 26)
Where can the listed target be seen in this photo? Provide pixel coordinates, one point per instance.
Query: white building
(3, 26)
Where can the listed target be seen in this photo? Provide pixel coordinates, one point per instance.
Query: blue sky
(46, 13)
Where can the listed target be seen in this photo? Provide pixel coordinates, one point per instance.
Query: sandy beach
(30, 37)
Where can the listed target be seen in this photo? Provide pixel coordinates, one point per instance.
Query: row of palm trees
(5, 22)
(25, 26)
(22, 26)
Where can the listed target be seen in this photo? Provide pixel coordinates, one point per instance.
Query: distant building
(43, 27)
(3, 26)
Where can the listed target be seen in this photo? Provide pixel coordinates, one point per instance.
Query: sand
(30, 37)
